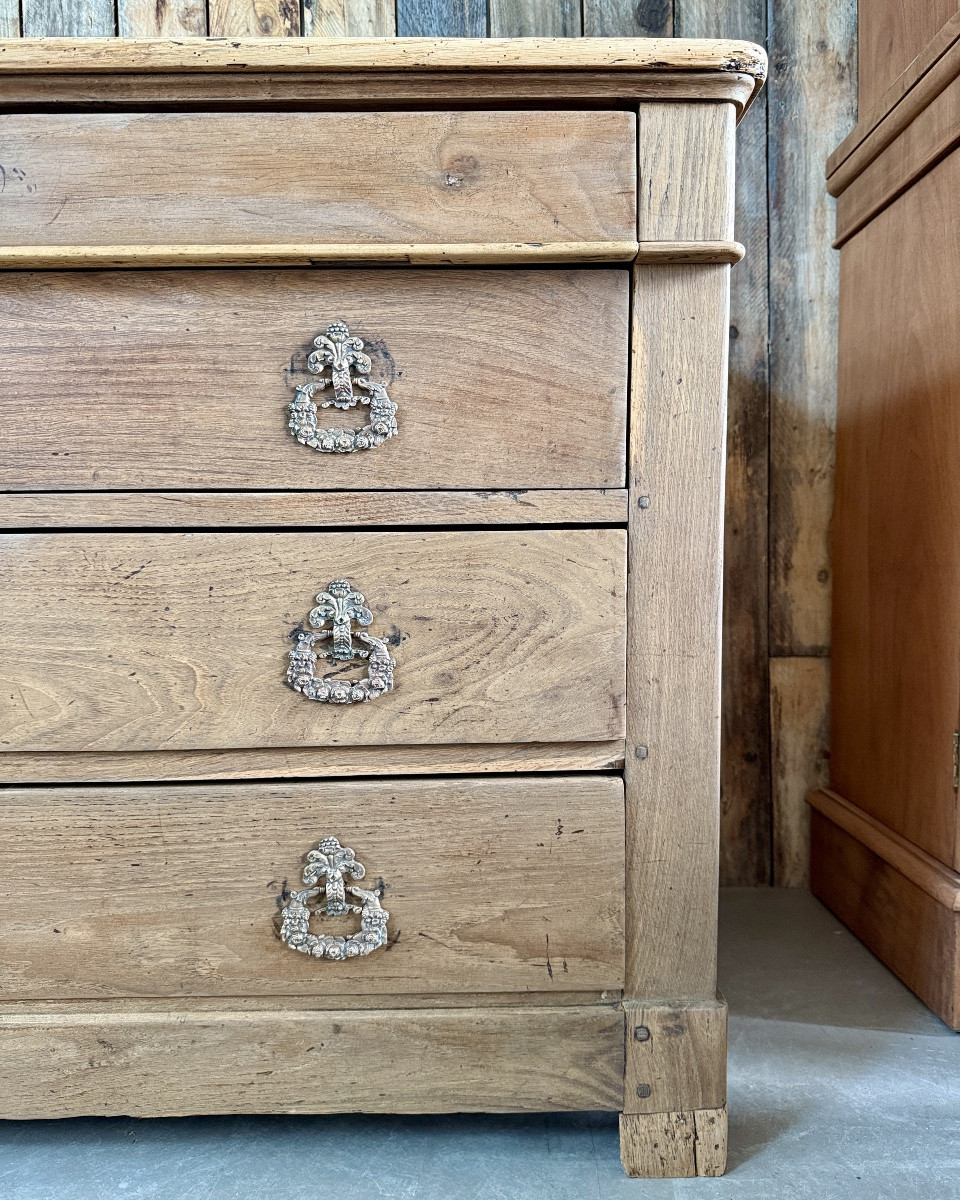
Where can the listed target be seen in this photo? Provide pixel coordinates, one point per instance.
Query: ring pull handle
(330, 862)
(338, 610)
(348, 367)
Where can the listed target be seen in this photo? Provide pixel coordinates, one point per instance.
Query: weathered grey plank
(629, 18)
(162, 18)
(812, 103)
(745, 856)
(799, 719)
(441, 18)
(9, 18)
(68, 18)
(535, 18)
(254, 18)
(349, 18)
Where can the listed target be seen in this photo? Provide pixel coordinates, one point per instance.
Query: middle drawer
(180, 641)
(183, 379)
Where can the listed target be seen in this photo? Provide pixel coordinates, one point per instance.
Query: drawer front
(489, 885)
(183, 641)
(183, 379)
(354, 178)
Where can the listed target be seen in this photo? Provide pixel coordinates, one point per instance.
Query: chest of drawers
(362, 449)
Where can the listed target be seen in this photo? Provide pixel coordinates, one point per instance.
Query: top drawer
(340, 178)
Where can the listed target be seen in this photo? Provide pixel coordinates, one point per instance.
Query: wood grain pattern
(384, 89)
(673, 675)
(690, 252)
(162, 18)
(675, 474)
(250, 510)
(406, 54)
(535, 18)
(679, 200)
(891, 33)
(745, 787)
(627, 18)
(467, 1060)
(129, 1006)
(931, 134)
(896, 613)
(674, 1145)
(442, 18)
(928, 873)
(346, 255)
(241, 340)
(68, 18)
(254, 18)
(880, 123)
(349, 18)
(311, 762)
(9, 18)
(246, 177)
(917, 937)
(490, 884)
(803, 302)
(676, 1055)
(800, 729)
(159, 641)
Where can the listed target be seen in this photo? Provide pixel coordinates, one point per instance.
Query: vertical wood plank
(812, 106)
(745, 832)
(628, 18)
(68, 18)
(800, 728)
(349, 18)
(535, 18)
(254, 18)
(676, 476)
(441, 18)
(680, 198)
(162, 18)
(9, 18)
(673, 666)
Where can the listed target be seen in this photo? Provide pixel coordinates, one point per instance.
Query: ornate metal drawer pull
(340, 607)
(331, 861)
(342, 353)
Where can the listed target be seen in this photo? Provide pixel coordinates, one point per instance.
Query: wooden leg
(674, 1145)
(675, 1089)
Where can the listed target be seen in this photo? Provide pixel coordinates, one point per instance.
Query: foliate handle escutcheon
(330, 862)
(348, 367)
(338, 610)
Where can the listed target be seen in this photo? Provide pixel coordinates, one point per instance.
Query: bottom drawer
(490, 885)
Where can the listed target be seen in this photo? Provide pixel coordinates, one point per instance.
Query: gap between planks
(304, 762)
(260, 509)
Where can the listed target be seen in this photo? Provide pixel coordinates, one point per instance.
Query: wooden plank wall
(782, 349)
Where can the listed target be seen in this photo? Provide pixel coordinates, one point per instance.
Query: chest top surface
(377, 71)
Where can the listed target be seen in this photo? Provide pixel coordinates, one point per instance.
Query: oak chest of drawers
(362, 445)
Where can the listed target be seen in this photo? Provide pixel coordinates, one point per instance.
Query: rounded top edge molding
(26, 55)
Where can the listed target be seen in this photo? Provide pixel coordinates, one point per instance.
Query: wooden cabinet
(362, 462)
(886, 836)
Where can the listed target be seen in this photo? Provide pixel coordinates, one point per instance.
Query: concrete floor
(841, 1085)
